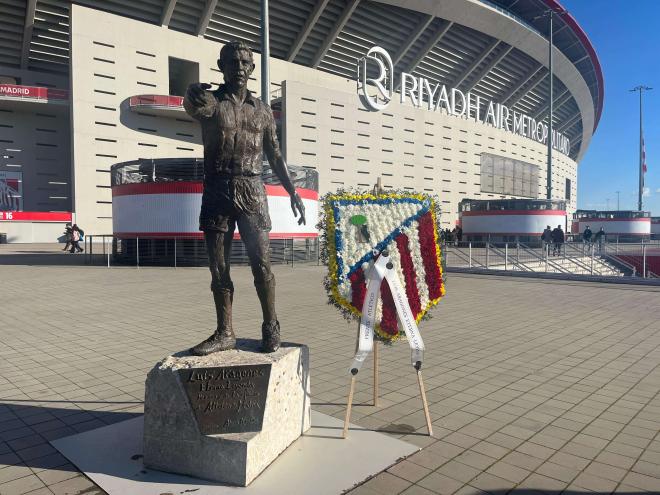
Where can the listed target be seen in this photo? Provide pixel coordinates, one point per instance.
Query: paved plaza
(535, 386)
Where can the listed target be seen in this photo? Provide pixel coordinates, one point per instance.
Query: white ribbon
(379, 271)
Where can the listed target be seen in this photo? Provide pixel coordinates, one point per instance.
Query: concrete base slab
(319, 462)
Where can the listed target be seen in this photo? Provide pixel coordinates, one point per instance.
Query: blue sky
(626, 36)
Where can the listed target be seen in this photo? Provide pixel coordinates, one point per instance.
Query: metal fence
(108, 250)
(602, 259)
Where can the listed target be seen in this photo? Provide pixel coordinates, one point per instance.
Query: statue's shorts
(230, 200)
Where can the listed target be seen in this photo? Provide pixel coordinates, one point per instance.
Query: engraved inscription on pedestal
(229, 399)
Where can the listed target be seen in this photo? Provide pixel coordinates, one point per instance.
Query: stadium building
(459, 108)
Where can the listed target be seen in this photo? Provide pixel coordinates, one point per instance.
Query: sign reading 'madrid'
(438, 97)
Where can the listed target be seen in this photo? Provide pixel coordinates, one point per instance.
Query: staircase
(524, 258)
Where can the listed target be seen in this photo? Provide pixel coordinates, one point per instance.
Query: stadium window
(182, 74)
(567, 195)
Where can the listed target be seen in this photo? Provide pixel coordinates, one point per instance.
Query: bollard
(108, 250)
(643, 261)
(506, 256)
(137, 252)
(470, 253)
(487, 255)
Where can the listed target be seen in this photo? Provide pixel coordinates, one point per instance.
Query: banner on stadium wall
(11, 191)
(33, 92)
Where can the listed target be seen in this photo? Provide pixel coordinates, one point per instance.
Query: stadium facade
(90, 84)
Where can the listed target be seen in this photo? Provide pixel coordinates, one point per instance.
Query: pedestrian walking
(546, 237)
(586, 235)
(599, 238)
(77, 235)
(68, 236)
(557, 240)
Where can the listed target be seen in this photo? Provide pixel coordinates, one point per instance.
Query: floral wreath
(356, 227)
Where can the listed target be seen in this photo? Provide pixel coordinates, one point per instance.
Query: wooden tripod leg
(422, 391)
(349, 405)
(376, 363)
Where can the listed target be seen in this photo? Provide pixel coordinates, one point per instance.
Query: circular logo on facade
(376, 92)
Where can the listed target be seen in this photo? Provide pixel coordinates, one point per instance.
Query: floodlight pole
(265, 54)
(550, 13)
(641, 89)
(550, 110)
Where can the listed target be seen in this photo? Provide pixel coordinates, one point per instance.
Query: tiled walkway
(533, 385)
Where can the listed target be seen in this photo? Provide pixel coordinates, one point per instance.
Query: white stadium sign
(438, 97)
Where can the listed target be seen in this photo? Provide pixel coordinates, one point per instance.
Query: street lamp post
(550, 109)
(617, 200)
(265, 54)
(550, 13)
(641, 89)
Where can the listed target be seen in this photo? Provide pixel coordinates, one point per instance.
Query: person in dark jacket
(586, 235)
(557, 240)
(599, 238)
(68, 235)
(546, 237)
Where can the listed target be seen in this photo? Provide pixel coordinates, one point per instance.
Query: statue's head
(236, 63)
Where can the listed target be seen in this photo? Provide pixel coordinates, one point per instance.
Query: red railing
(157, 100)
(33, 92)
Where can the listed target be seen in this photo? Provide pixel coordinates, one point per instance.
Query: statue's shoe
(270, 336)
(219, 341)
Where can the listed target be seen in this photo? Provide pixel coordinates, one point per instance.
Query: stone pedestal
(226, 416)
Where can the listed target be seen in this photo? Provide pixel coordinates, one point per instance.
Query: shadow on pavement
(26, 429)
(546, 491)
(38, 255)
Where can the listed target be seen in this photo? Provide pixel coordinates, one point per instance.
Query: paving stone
(542, 484)
(616, 460)
(491, 483)
(415, 490)
(458, 471)
(387, 484)
(439, 483)
(594, 483)
(52, 476)
(490, 449)
(409, 471)
(508, 472)
(569, 460)
(21, 485)
(558, 472)
(11, 473)
(475, 459)
(535, 450)
(647, 468)
(566, 390)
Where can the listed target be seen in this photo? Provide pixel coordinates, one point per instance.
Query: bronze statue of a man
(236, 129)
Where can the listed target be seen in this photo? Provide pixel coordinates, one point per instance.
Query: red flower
(409, 274)
(429, 251)
(388, 323)
(358, 288)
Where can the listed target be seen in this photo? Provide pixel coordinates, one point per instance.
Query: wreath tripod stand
(354, 372)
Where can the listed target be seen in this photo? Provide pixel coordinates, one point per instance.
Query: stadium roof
(432, 38)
